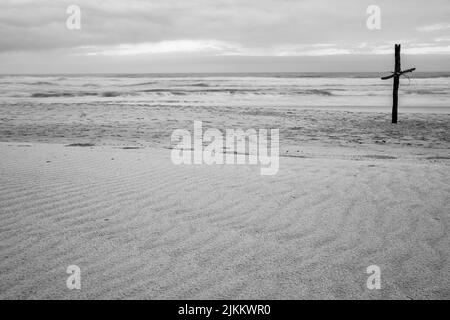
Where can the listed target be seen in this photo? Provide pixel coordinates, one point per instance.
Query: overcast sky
(221, 36)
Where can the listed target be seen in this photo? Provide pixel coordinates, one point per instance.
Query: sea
(420, 92)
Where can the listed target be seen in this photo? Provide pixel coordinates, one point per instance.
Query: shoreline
(153, 126)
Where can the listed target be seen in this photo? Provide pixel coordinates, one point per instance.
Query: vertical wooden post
(397, 73)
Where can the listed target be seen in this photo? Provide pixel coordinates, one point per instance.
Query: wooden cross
(396, 75)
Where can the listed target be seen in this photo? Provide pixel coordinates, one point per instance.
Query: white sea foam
(424, 92)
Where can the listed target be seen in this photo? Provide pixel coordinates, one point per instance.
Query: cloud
(30, 25)
(175, 46)
(223, 48)
(213, 47)
(116, 29)
(415, 49)
(434, 27)
(443, 39)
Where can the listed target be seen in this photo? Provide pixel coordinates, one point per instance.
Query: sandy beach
(212, 157)
(139, 226)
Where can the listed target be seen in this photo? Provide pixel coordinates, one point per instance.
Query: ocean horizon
(287, 74)
(422, 92)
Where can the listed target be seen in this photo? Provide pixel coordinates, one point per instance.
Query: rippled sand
(352, 191)
(140, 227)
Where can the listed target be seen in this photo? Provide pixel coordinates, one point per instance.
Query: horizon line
(213, 72)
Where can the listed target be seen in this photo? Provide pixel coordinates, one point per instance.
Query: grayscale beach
(212, 157)
(87, 180)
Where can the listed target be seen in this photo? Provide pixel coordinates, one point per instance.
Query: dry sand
(140, 227)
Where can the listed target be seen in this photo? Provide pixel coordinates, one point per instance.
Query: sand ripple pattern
(141, 228)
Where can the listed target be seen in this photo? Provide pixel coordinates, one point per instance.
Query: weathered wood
(407, 70)
(388, 77)
(396, 75)
(397, 72)
(401, 73)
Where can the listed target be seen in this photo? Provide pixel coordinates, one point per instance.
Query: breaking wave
(426, 92)
(61, 94)
(178, 92)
